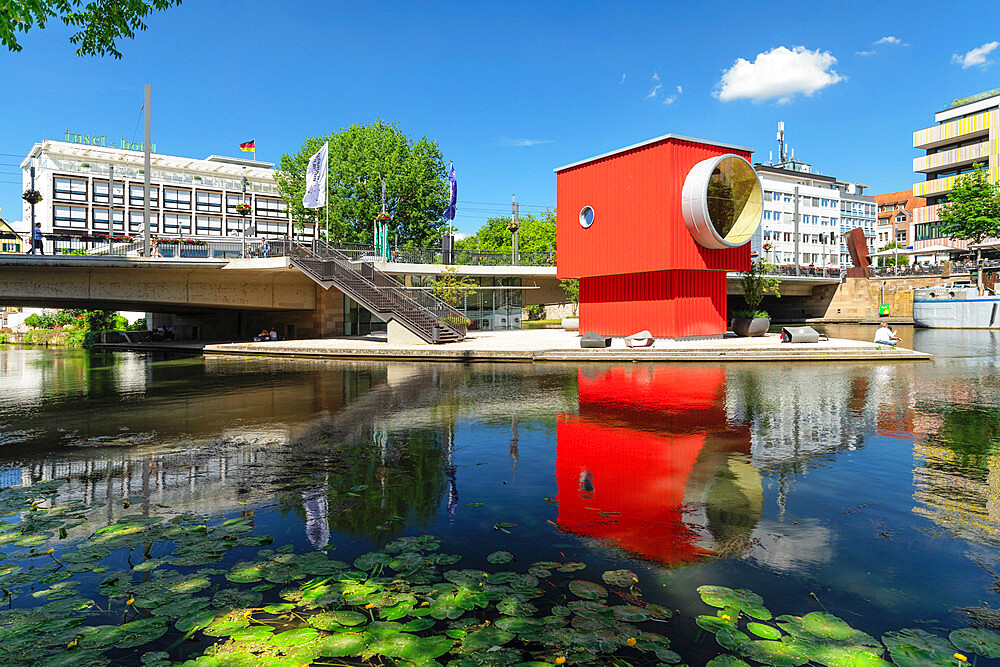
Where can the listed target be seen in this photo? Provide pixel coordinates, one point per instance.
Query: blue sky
(512, 90)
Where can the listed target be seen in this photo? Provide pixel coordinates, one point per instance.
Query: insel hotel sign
(101, 140)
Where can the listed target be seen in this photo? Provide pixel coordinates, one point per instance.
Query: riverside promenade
(540, 345)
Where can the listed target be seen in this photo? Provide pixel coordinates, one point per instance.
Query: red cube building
(651, 230)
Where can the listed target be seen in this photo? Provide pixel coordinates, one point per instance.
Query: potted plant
(757, 282)
(32, 196)
(571, 288)
(242, 209)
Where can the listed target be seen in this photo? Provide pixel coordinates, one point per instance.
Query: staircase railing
(426, 315)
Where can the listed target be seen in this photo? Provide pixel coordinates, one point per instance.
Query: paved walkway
(528, 345)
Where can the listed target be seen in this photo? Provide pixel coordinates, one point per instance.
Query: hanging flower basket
(512, 228)
(242, 209)
(32, 196)
(383, 217)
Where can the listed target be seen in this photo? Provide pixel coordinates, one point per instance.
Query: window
(101, 220)
(209, 225)
(176, 199)
(281, 228)
(11, 247)
(176, 223)
(71, 189)
(278, 208)
(69, 216)
(233, 200)
(234, 226)
(136, 221)
(927, 230)
(101, 192)
(900, 236)
(137, 196)
(209, 202)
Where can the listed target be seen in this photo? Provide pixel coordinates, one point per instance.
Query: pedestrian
(274, 333)
(36, 240)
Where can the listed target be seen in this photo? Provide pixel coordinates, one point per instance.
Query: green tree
(973, 210)
(571, 287)
(535, 234)
(361, 156)
(757, 283)
(100, 23)
(894, 260)
(453, 288)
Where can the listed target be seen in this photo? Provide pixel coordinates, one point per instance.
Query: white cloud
(866, 53)
(623, 79)
(779, 73)
(670, 100)
(461, 236)
(976, 56)
(656, 77)
(523, 143)
(655, 91)
(679, 90)
(890, 39)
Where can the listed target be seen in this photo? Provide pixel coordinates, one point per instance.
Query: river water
(871, 490)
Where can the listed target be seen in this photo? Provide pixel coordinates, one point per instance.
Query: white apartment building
(806, 214)
(189, 197)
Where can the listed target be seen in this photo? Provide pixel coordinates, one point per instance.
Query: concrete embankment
(552, 345)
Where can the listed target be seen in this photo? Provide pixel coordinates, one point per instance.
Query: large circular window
(722, 202)
(586, 217)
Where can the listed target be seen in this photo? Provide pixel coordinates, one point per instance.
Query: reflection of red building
(650, 231)
(633, 449)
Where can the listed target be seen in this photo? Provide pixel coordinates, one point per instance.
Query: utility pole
(145, 203)
(514, 229)
(31, 232)
(243, 250)
(798, 261)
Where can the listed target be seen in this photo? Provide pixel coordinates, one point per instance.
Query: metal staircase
(427, 316)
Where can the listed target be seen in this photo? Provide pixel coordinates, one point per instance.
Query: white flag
(316, 176)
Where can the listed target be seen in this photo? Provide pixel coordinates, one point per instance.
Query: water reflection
(648, 451)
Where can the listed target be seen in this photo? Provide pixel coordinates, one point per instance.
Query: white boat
(956, 306)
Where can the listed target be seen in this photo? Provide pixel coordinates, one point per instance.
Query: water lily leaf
(777, 654)
(500, 557)
(279, 607)
(486, 638)
(979, 641)
(293, 637)
(622, 578)
(156, 659)
(630, 614)
(417, 625)
(226, 624)
(140, 632)
(231, 598)
(731, 638)
(348, 618)
(372, 560)
(764, 631)
(515, 607)
(839, 655)
(658, 612)
(519, 624)
(745, 600)
(726, 661)
(341, 645)
(827, 626)
(473, 504)
(572, 567)
(195, 621)
(587, 590)
(713, 623)
(246, 573)
(912, 647)
(254, 633)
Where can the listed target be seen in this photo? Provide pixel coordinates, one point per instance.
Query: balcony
(926, 213)
(938, 186)
(956, 130)
(953, 158)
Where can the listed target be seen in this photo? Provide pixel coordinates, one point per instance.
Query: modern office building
(967, 132)
(806, 213)
(895, 217)
(190, 198)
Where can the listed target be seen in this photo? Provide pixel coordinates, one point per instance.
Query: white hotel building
(189, 198)
(806, 215)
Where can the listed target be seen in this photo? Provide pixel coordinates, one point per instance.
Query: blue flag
(449, 212)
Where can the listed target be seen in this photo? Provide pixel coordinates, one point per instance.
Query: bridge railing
(465, 257)
(98, 246)
(806, 271)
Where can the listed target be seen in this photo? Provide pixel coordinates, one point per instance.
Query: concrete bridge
(213, 298)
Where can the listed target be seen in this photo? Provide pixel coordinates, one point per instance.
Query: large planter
(571, 323)
(750, 327)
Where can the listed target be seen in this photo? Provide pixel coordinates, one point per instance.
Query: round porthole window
(586, 217)
(722, 202)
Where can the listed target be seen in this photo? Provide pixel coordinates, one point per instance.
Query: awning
(929, 250)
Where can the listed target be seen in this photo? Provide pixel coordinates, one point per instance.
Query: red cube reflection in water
(634, 448)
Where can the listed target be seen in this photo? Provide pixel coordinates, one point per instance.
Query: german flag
(248, 146)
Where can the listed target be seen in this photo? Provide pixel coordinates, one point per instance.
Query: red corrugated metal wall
(638, 225)
(665, 303)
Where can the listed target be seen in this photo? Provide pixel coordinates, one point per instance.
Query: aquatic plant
(162, 597)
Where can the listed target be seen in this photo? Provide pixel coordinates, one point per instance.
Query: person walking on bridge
(36, 240)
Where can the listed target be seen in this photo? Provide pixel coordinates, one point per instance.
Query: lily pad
(979, 641)
(826, 626)
(726, 661)
(587, 589)
(776, 654)
(631, 614)
(140, 632)
(622, 578)
(764, 631)
(500, 557)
